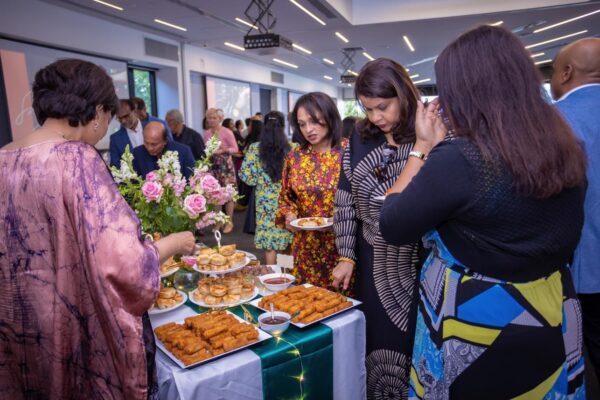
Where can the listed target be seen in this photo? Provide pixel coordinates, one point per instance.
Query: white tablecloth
(238, 375)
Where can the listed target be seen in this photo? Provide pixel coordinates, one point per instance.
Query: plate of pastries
(168, 299)
(169, 267)
(312, 303)
(206, 336)
(312, 223)
(228, 291)
(224, 260)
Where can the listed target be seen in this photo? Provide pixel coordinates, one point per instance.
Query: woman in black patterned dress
(386, 276)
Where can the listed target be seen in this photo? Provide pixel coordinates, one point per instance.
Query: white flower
(169, 162)
(211, 146)
(221, 218)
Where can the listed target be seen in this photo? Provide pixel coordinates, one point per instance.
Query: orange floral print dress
(308, 185)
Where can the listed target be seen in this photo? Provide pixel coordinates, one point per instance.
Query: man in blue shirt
(576, 86)
(145, 157)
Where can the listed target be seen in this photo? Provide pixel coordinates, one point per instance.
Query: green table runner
(299, 365)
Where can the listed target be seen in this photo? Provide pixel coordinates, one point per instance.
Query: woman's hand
(289, 218)
(176, 243)
(342, 274)
(429, 127)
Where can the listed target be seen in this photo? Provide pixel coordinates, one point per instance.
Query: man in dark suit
(576, 86)
(144, 117)
(131, 132)
(145, 157)
(184, 134)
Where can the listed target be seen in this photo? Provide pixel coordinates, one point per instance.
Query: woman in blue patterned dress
(262, 167)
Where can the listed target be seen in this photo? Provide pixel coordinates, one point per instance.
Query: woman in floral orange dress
(308, 185)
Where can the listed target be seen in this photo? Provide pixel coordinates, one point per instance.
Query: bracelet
(419, 154)
(351, 261)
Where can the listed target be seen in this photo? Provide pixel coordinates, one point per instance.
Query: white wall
(49, 24)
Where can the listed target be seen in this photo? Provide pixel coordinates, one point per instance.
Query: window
(142, 84)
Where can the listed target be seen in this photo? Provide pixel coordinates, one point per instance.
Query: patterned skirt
(482, 338)
(223, 169)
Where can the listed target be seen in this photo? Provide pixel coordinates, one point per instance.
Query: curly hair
(72, 89)
(385, 78)
(274, 145)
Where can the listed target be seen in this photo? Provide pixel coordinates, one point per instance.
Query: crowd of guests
(468, 227)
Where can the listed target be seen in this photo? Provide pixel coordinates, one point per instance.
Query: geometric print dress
(385, 276)
(483, 338)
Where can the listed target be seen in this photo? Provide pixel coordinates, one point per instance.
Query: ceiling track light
(566, 21)
(160, 21)
(342, 37)
(241, 21)
(556, 39)
(104, 3)
(287, 64)
(234, 46)
(296, 46)
(408, 43)
(300, 6)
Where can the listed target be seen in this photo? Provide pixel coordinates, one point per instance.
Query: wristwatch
(419, 154)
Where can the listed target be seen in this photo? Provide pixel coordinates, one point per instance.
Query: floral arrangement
(166, 202)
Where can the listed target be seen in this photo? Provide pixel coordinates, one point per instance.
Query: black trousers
(590, 306)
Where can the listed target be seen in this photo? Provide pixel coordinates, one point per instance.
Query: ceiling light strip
(300, 6)
(109, 5)
(497, 23)
(246, 23)
(565, 21)
(342, 37)
(329, 78)
(556, 39)
(422, 81)
(537, 54)
(543, 61)
(408, 43)
(368, 56)
(296, 46)
(328, 61)
(414, 76)
(287, 64)
(352, 72)
(160, 21)
(235, 46)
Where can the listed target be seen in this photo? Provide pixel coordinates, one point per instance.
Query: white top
(136, 137)
(564, 96)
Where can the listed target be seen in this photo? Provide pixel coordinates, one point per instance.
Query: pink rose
(168, 179)
(194, 205)
(179, 186)
(219, 197)
(209, 184)
(152, 191)
(207, 219)
(151, 176)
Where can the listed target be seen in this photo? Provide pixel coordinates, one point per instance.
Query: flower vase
(186, 279)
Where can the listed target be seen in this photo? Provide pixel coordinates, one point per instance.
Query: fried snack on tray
(167, 298)
(231, 289)
(169, 265)
(313, 303)
(206, 335)
(312, 222)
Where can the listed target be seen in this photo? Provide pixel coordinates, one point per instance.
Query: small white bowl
(276, 287)
(274, 329)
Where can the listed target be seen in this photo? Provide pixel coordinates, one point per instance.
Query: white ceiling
(430, 25)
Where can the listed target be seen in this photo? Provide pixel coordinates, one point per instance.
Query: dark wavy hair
(318, 103)
(72, 89)
(386, 79)
(255, 130)
(489, 89)
(348, 126)
(274, 145)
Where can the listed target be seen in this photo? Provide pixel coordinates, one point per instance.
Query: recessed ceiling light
(556, 39)
(497, 23)
(327, 77)
(342, 37)
(414, 76)
(565, 21)
(300, 6)
(537, 54)
(296, 46)
(408, 43)
(422, 81)
(235, 46)
(352, 72)
(350, 84)
(368, 56)
(246, 23)
(181, 28)
(407, 69)
(109, 5)
(543, 62)
(328, 61)
(287, 64)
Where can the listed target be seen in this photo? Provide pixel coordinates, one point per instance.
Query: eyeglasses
(380, 170)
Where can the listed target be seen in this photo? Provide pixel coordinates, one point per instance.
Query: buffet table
(240, 376)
